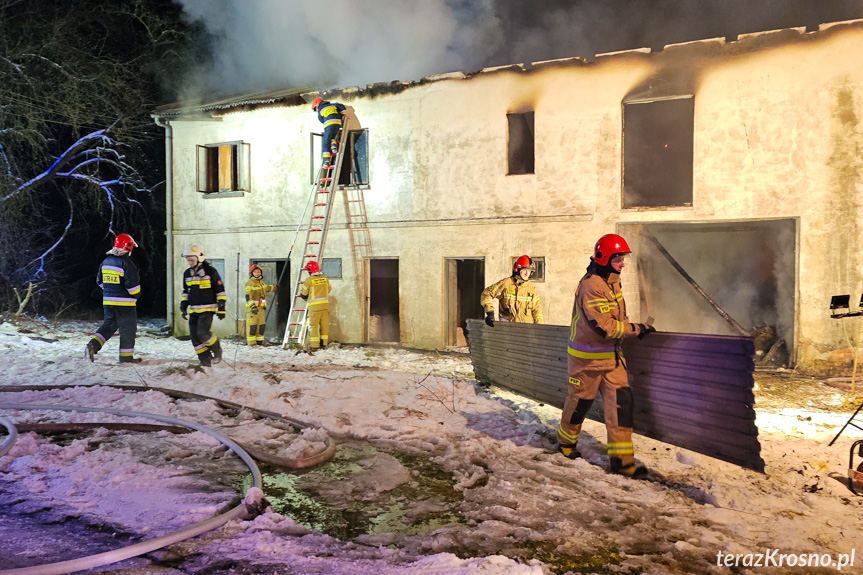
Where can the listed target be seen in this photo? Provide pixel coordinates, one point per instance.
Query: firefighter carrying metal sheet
(517, 296)
(203, 297)
(595, 362)
(256, 306)
(330, 114)
(316, 291)
(121, 286)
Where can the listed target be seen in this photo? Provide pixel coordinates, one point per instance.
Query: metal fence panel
(690, 390)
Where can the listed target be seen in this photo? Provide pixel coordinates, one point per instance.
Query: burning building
(733, 167)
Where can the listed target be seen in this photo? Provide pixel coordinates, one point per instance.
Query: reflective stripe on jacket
(118, 277)
(317, 288)
(330, 113)
(203, 290)
(599, 321)
(518, 302)
(256, 292)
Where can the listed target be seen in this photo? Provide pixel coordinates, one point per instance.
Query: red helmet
(255, 267)
(523, 262)
(609, 246)
(312, 267)
(316, 103)
(125, 242)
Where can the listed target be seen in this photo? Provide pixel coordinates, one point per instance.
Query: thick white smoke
(271, 44)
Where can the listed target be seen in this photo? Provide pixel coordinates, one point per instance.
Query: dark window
(520, 153)
(657, 153)
(539, 273)
(332, 268)
(355, 166)
(224, 167)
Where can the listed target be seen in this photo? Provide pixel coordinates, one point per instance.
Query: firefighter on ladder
(330, 114)
(121, 286)
(256, 306)
(203, 297)
(316, 291)
(594, 360)
(517, 296)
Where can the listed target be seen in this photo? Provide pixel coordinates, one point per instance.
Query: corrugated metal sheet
(693, 391)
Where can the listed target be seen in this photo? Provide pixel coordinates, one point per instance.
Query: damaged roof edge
(300, 96)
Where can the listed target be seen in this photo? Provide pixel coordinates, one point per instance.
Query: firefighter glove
(489, 318)
(221, 314)
(184, 314)
(253, 308)
(645, 329)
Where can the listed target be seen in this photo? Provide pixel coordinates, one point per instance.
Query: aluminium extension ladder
(321, 199)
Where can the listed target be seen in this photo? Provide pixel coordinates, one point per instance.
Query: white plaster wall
(777, 134)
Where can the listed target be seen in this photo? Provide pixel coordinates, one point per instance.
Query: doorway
(382, 301)
(464, 285)
(724, 278)
(277, 300)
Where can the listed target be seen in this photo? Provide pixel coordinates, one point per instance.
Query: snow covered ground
(521, 508)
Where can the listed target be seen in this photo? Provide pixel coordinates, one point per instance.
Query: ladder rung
(318, 217)
(325, 179)
(299, 309)
(315, 230)
(321, 204)
(312, 243)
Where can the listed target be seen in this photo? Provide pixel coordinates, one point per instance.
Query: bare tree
(78, 82)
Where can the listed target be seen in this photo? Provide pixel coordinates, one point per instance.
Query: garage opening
(733, 278)
(464, 285)
(383, 300)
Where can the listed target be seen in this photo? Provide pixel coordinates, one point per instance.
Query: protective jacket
(518, 302)
(256, 292)
(330, 113)
(118, 277)
(203, 290)
(599, 321)
(315, 291)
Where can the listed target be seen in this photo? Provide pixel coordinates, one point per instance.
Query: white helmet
(194, 250)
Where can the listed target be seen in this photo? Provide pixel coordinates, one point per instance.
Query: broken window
(520, 152)
(539, 273)
(657, 152)
(355, 165)
(224, 167)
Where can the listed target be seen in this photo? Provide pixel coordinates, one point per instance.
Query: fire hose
(92, 561)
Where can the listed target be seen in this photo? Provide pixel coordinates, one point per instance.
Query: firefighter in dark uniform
(330, 114)
(595, 362)
(203, 297)
(256, 306)
(121, 285)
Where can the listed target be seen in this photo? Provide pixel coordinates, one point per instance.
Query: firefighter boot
(204, 357)
(631, 470)
(129, 359)
(90, 350)
(569, 451)
(216, 350)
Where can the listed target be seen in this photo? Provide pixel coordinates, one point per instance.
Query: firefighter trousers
(319, 328)
(617, 405)
(124, 318)
(206, 344)
(256, 323)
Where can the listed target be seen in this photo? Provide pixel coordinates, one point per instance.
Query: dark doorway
(748, 269)
(383, 300)
(464, 286)
(276, 300)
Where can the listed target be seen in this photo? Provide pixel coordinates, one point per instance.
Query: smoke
(274, 44)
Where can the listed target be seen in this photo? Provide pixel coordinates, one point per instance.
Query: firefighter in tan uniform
(256, 306)
(316, 291)
(517, 296)
(595, 362)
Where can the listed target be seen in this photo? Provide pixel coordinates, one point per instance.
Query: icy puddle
(365, 489)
